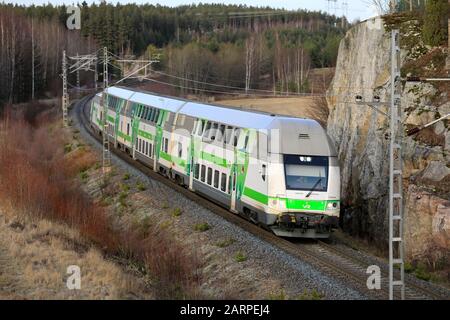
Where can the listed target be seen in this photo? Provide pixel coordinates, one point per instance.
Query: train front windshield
(306, 173)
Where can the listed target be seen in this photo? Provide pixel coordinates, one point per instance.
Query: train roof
(159, 102)
(120, 92)
(223, 114)
(229, 116)
(309, 133)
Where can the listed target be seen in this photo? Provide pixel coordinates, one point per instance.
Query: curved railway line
(325, 257)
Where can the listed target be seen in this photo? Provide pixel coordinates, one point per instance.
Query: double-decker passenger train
(280, 172)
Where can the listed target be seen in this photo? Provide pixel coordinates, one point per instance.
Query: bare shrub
(319, 111)
(38, 179)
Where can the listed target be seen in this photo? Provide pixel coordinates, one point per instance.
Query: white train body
(280, 172)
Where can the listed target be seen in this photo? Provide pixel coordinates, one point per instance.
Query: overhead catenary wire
(272, 92)
(241, 93)
(222, 85)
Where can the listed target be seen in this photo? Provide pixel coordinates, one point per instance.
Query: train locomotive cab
(305, 182)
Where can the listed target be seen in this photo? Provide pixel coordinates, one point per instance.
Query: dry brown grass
(305, 107)
(35, 254)
(38, 180)
(297, 107)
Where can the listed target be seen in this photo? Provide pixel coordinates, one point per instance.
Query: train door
(192, 169)
(233, 182)
(233, 192)
(134, 127)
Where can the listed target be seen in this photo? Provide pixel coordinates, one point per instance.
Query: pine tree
(434, 30)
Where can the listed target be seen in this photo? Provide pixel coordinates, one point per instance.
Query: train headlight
(333, 205)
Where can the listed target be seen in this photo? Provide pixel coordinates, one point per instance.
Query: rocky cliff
(360, 135)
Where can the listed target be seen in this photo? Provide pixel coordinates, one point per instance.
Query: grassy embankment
(40, 183)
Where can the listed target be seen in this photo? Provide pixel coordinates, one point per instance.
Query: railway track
(330, 260)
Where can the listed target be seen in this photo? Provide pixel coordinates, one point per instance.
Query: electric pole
(65, 95)
(395, 211)
(78, 78)
(106, 149)
(32, 58)
(396, 241)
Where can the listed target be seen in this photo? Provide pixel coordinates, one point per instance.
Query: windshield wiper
(314, 187)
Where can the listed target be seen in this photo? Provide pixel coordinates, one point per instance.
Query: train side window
(144, 117)
(150, 149)
(139, 111)
(214, 130)
(209, 178)
(180, 150)
(201, 126)
(203, 173)
(156, 116)
(223, 182)
(153, 115)
(195, 128)
(160, 118)
(237, 133)
(128, 129)
(247, 137)
(216, 179)
(139, 144)
(220, 133)
(206, 133)
(228, 133)
(196, 171)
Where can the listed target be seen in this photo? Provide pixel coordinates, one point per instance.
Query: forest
(236, 46)
(202, 48)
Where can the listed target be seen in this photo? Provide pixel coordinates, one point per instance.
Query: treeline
(226, 45)
(235, 46)
(433, 15)
(136, 26)
(31, 46)
(275, 61)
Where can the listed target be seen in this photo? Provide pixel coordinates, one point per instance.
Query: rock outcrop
(360, 134)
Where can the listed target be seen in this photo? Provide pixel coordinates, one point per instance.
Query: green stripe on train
(176, 160)
(124, 136)
(291, 204)
(213, 159)
(255, 195)
(314, 205)
(146, 135)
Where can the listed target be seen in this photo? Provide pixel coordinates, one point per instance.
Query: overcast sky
(356, 8)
